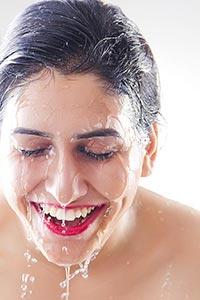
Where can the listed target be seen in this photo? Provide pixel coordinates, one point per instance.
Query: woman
(79, 113)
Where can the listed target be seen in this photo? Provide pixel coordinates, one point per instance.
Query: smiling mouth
(67, 221)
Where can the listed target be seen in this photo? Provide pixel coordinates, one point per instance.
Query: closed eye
(33, 153)
(96, 156)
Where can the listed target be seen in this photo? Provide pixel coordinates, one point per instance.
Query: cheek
(117, 177)
(110, 179)
(19, 177)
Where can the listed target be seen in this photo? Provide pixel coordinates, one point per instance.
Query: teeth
(46, 208)
(53, 211)
(84, 212)
(60, 214)
(70, 215)
(66, 214)
(78, 213)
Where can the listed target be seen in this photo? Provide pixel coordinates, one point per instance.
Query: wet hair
(82, 36)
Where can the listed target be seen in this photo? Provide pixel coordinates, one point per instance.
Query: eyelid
(83, 150)
(34, 152)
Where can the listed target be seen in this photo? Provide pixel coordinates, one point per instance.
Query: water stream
(83, 270)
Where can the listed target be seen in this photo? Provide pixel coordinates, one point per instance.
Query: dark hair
(77, 36)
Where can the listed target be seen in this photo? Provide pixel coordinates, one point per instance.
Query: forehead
(75, 91)
(53, 101)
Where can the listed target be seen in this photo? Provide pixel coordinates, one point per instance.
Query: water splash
(27, 279)
(29, 259)
(65, 284)
(83, 270)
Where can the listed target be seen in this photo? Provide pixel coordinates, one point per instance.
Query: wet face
(71, 164)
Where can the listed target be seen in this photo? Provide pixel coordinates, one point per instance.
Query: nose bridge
(64, 180)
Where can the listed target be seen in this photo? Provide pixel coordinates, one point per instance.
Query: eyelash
(96, 156)
(33, 153)
(82, 150)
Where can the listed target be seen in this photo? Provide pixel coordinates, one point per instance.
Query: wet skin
(156, 259)
(56, 149)
(67, 143)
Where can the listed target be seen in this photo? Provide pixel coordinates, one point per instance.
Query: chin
(66, 252)
(64, 249)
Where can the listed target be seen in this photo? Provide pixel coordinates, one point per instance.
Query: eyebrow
(96, 133)
(21, 130)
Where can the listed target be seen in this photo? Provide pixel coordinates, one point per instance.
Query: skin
(149, 245)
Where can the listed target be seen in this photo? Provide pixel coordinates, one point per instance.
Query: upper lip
(79, 203)
(70, 206)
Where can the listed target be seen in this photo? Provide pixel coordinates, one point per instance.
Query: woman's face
(70, 163)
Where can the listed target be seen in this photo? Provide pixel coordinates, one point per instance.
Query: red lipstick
(68, 228)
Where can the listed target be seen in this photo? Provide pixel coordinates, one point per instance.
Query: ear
(151, 151)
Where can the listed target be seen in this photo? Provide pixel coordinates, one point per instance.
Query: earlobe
(151, 152)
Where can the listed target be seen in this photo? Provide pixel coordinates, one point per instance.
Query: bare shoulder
(178, 226)
(181, 221)
(170, 231)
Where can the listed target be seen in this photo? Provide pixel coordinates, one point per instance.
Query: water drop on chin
(65, 250)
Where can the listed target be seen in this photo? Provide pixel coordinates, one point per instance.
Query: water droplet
(107, 211)
(24, 287)
(64, 296)
(63, 284)
(65, 250)
(34, 260)
(25, 277)
(63, 223)
(23, 295)
(85, 275)
(28, 237)
(27, 256)
(32, 279)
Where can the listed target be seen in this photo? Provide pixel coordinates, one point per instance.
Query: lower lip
(70, 230)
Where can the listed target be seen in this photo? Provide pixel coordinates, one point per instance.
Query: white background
(172, 28)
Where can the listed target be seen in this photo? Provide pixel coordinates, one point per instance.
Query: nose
(64, 180)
